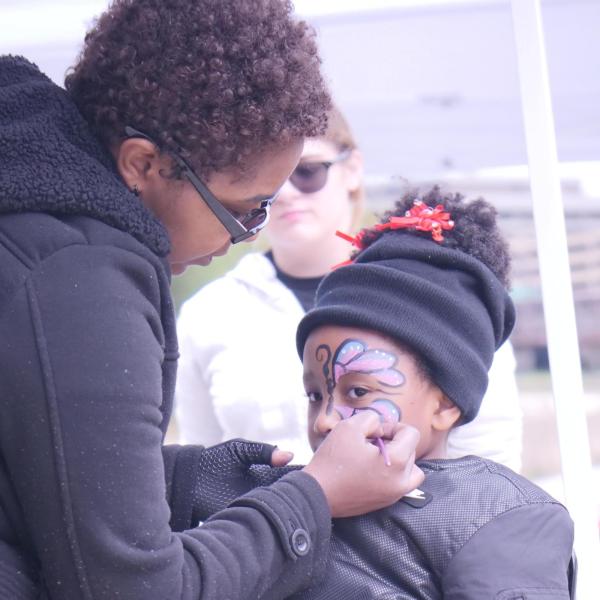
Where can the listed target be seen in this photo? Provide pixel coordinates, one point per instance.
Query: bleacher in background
(529, 336)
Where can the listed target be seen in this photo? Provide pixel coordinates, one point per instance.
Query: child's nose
(325, 422)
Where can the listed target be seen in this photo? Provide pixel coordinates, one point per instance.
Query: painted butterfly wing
(349, 350)
(370, 361)
(389, 412)
(390, 377)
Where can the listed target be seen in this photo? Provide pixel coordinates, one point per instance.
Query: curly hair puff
(217, 80)
(475, 229)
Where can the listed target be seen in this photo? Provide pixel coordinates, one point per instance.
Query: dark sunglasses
(239, 229)
(310, 177)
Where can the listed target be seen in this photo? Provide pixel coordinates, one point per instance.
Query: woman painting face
(347, 369)
(195, 232)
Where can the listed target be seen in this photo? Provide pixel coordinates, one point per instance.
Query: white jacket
(240, 375)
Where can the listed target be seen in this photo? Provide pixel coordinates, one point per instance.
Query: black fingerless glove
(230, 470)
(201, 481)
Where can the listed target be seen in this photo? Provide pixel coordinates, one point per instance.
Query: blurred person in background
(244, 322)
(180, 122)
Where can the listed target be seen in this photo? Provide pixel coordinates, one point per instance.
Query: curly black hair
(217, 80)
(475, 229)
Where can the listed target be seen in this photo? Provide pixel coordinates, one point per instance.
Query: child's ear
(446, 415)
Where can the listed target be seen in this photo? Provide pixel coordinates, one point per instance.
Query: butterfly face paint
(354, 356)
(349, 370)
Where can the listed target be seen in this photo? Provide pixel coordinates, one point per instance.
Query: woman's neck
(315, 260)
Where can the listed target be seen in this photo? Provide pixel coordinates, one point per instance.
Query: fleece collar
(50, 161)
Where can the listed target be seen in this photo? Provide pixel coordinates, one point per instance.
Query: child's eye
(314, 396)
(357, 392)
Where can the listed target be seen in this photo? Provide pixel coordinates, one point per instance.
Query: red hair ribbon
(422, 218)
(354, 240)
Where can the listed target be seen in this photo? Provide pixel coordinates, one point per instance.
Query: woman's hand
(352, 471)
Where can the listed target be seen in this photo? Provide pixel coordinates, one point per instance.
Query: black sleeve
(522, 554)
(181, 477)
(82, 358)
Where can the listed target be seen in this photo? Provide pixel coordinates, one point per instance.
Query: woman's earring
(136, 190)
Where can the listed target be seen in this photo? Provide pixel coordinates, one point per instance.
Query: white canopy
(429, 85)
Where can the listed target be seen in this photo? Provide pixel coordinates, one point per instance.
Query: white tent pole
(557, 292)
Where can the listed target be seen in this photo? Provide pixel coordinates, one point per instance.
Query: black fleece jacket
(88, 355)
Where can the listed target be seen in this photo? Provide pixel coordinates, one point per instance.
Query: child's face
(355, 368)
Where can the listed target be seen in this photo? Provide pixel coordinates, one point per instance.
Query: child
(408, 328)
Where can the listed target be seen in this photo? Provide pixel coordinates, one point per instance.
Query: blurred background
(431, 90)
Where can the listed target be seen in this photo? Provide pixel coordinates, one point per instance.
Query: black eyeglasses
(310, 177)
(239, 229)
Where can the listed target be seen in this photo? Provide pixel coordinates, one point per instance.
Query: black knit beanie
(442, 303)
